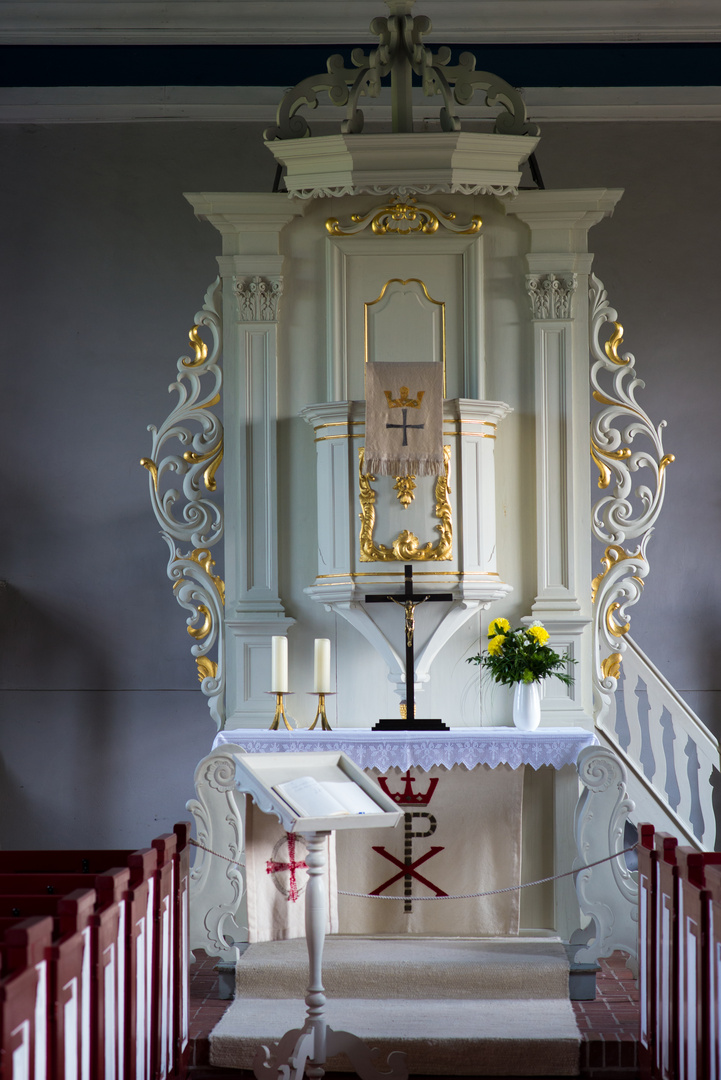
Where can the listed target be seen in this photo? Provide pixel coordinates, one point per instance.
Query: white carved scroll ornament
(607, 893)
(217, 882)
(403, 190)
(190, 516)
(623, 513)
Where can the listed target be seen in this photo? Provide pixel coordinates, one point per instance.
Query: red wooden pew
(647, 907)
(24, 1008)
(115, 967)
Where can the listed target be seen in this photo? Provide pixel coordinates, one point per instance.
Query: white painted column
(558, 265)
(251, 269)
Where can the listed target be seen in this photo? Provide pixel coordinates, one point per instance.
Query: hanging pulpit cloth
(277, 877)
(460, 835)
(404, 419)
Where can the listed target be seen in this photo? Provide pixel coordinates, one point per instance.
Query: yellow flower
(498, 626)
(495, 645)
(539, 634)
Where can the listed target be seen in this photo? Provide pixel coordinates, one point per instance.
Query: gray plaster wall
(103, 268)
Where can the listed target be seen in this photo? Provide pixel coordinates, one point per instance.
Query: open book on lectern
(315, 798)
(314, 791)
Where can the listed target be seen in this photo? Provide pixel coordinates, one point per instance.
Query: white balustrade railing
(669, 752)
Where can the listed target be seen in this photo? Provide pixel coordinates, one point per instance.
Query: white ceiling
(64, 22)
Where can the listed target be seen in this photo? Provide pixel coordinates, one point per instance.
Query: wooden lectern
(259, 776)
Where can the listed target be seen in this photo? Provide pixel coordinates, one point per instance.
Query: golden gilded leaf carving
(611, 666)
(207, 669)
(406, 547)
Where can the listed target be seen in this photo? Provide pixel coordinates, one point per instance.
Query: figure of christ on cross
(409, 600)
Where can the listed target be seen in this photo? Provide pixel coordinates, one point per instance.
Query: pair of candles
(279, 666)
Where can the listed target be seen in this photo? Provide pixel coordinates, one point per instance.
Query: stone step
(440, 1038)
(409, 968)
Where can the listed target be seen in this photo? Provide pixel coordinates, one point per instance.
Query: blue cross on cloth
(404, 419)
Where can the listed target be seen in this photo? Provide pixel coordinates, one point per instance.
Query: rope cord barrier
(233, 862)
(494, 892)
(461, 896)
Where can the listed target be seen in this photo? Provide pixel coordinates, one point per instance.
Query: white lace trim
(374, 750)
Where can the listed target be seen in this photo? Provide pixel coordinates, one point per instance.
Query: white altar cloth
(492, 746)
(487, 786)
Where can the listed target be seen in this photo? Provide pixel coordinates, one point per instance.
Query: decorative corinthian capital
(258, 297)
(551, 295)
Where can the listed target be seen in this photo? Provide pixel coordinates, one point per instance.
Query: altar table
(444, 846)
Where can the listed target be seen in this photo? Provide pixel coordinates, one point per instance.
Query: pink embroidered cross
(272, 867)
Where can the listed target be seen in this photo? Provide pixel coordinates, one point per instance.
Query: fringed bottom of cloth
(386, 466)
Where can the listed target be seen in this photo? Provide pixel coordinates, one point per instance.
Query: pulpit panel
(364, 324)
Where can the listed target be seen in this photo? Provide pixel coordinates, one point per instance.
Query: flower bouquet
(522, 658)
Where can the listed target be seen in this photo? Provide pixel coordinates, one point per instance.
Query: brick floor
(608, 1025)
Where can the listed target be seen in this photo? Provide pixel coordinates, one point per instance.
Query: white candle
(279, 665)
(322, 666)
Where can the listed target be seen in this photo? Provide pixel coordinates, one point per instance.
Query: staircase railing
(666, 748)
(670, 755)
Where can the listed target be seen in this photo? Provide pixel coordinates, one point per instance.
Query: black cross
(409, 600)
(405, 425)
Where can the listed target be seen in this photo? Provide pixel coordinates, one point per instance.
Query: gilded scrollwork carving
(406, 547)
(551, 295)
(189, 518)
(623, 514)
(403, 216)
(195, 427)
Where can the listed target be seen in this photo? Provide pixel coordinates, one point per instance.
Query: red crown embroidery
(408, 795)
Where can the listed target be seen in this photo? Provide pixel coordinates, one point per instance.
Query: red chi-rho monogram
(408, 869)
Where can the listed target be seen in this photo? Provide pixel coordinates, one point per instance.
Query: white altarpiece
(502, 276)
(492, 286)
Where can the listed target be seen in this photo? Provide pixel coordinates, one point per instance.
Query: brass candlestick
(279, 710)
(320, 712)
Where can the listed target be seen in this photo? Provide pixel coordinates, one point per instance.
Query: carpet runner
(455, 1006)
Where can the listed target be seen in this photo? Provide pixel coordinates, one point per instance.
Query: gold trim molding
(406, 546)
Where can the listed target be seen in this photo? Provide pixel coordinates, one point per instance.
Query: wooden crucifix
(409, 601)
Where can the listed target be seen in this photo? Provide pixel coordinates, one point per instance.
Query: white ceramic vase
(527, 706)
